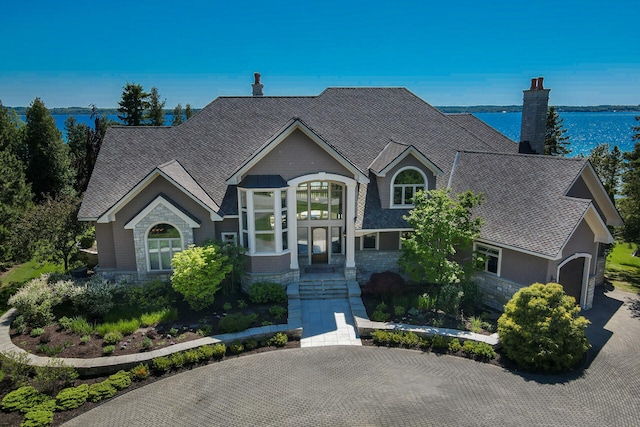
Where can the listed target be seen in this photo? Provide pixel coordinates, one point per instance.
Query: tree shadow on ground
(604, 308)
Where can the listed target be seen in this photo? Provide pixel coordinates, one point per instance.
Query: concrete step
(323, 290)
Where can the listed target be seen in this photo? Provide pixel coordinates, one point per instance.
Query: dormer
(401, 171)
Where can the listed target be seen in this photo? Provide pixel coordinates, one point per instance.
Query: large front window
(263, 218)
(163, 242)
(319, 200)
(405, 185)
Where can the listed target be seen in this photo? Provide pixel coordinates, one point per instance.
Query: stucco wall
(522, 268)
(582, 241)
(389, 241)
(295, 156)
(581, 191)
(265, 264)
(125, 256)
(106, 248)
(384, 183)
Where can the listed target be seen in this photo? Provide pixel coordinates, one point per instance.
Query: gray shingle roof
(524, 198)
(357, 122)
(489, 135)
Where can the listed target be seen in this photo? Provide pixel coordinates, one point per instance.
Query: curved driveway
(368, 386)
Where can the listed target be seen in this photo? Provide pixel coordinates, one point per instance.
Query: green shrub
(399, 310)
(277, 311)
(410, 339)
(242, 304)
(449, 298)
(161, 364)
(50, 350)
(198, 272)
(380, 313)
(36, 332)
(251, 345)
(439, 342)
(227, 306)
(380, 337)
(541, 329)
(35, 301)
(108, 349)
(85, 339)
(424, 343)
(159, 316)
(471, 300)
(206, 352)
(65, 323)
(147, 343)
(54, 376)
(100, 391)
(205, 330)
(80, 326)
(15, 366)
(236, 322)
(191, 357)
(22, 399)
(124, 326)
(236, 348)
(261, 293)
(120, 380)
(140, 372)
(219, 350)
(72, 397)
(177, 360)
(475, 324)
(37, 418)
(95, 296)
(279, 340)
(112, 337)
(426, 302)
(454, 345)
(479, 350)
(19, 324)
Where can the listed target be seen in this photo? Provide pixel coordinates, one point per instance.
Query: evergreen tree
(608, 165)
(188, 112)
(155, 113)
(47, 157)
(15, 198)
(556, 143)
(11, 132)
(133, 105)
(84, 144)
(177, 115)
(630, 205)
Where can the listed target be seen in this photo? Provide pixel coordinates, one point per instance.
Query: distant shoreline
(444, 109)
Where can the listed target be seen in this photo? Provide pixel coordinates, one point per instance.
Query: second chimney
(535, 104)
(257, 86)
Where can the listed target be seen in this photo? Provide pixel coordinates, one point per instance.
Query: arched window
(405, 184)
(163, 242)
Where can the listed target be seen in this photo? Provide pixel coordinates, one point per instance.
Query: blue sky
(75, 53)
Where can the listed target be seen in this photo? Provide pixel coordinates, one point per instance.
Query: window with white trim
(229, 238)
(163, 242)
(405, 185)
(263, 220)
(488, 258)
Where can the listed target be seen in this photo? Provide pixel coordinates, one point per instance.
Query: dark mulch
(187, 325)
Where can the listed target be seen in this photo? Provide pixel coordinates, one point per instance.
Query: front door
(319, 254)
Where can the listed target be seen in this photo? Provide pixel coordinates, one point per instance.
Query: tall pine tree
(556, 142)
(155, 113)
(177, 115)
(133, 105)
(608, 165)
(47, 157)
(630, 204)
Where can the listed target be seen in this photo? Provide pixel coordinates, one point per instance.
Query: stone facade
(496, 290)
(282, 278)
(369, 262)
(591, 287)
(600, 265)
(159, 214)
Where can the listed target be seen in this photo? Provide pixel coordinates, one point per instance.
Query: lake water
(585, 130)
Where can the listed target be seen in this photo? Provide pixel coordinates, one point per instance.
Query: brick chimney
(534, 118)
(257, 86)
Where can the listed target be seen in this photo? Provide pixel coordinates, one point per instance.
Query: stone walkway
(370, 386)
(327, 322)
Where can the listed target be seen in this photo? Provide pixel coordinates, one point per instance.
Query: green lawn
(623, 269)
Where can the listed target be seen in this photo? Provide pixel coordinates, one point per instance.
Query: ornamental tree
(443, 226)
(541, 329)
(198, 272)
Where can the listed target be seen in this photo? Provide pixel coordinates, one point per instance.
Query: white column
(350, 216)
(292, 226)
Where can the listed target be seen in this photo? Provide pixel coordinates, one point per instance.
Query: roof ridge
(537, 156)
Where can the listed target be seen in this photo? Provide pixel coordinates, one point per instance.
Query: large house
(307, 182)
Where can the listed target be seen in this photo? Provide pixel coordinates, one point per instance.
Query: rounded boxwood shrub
(37, 418)
(72, 397)
(101, 390)
(541, 329)
(22, 399)
(120, 380)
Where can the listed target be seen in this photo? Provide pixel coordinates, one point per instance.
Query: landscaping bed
(140, 318)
